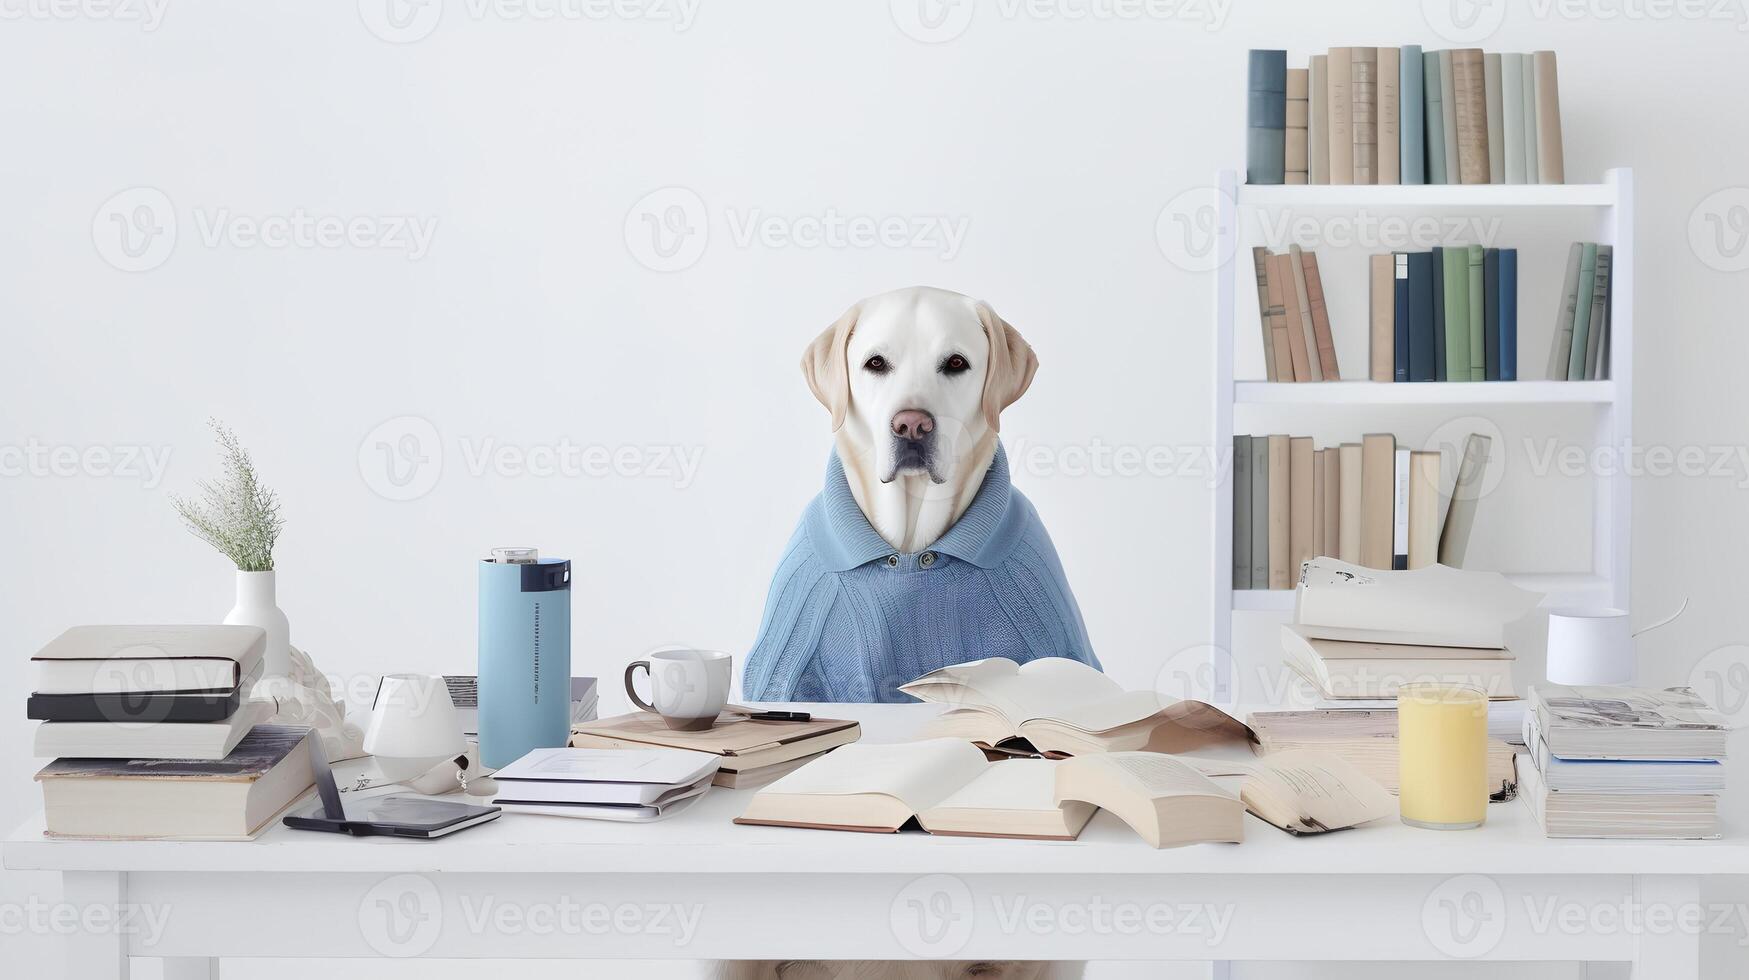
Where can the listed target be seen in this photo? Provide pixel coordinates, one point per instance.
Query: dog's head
(917, 377)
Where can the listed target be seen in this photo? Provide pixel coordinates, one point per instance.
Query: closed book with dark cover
(1478, 321)
(1457, 313)
(1437, 271)
(1491, 313)
(1421, 340)
(1400, 317)
(1241, 512)
(1599, 309)
(1266, 118)
(134, 708)
(1507, 315)
(1433, 113)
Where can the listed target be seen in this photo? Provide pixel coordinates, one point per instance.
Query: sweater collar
(843, 538)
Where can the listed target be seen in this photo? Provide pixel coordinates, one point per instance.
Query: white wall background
(529, 321)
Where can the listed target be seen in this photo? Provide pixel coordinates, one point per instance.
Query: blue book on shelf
(1436, 271)
(1508, 314)
(1412, 146)
(1400, 317)
(1433, 116)
(1422, 343)
(1491, 314)
(1266, 118)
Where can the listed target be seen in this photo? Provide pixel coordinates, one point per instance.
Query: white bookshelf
(1610, 402)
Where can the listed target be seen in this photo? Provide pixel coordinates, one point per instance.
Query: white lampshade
(413, 725)
(1590, 647)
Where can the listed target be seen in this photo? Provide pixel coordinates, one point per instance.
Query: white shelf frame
(1606, 582)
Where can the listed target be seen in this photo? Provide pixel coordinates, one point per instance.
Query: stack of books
(1622, 762)
(1297, 342)
(154, 736)
(627, 785)
(1373, 503)
(749, 752)
(1449, 314)
(1388, 115)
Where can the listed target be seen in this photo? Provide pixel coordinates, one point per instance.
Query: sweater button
(892, 561)
(926, 559)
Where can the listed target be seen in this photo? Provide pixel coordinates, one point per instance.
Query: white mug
(1590, 647)
(688, 688)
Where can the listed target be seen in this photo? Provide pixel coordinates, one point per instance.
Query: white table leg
(191, 968)
(100, 955)
(1670, 954)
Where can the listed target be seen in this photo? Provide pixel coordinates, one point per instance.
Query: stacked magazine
(1624, 762)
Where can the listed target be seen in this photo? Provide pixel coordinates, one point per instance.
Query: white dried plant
(235, 513)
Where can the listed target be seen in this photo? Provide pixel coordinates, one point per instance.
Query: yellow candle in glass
(1442, 744)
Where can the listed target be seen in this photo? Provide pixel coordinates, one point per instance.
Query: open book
(1065, 707)
(944, 784)
(1313, 793)
(1164, 800)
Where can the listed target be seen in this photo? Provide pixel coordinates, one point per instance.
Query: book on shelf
(1477, 330)
(1300, 306)
(939, 785)
(1594, 342)
(1422, 517)
(1320, 312)
(1302, 501)
(1065, 707)
(1352, 670)
(1400, 508)
(1367, 740)
(1627, 723)
(1399, 366)
(1419, 267)
(1621, 816)
(737, 742)
(1349, 507)
(1266, 117)
(89, 660)
(1298, 340)
(232, 798)
(205, 740)
(1390, 115)
(1466, 492)
(1241, 512)
(1436, 279)
(1260, 512)
(1382, 314)
(1377, 514)
(1276, 528)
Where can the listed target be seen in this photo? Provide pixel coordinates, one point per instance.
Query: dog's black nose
(913, 424)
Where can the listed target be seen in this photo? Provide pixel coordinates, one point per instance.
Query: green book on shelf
(1582, 313)
(1457, 314)
(1478, 314)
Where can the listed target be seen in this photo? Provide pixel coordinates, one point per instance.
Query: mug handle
(631, 692)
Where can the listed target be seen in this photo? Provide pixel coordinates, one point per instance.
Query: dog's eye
(955, 364)
(876, 364)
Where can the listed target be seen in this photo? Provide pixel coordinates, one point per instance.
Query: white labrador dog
(916, 381)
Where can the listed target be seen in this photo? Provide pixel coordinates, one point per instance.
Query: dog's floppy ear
(1012, 365)
(826, 367)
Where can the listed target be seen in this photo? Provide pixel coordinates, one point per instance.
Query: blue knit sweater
(847, 619)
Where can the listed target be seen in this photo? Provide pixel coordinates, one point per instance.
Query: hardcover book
(1266, 117)
(1411, 136)
(1434, 113)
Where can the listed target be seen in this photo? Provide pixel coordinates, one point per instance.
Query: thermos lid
(516, 556)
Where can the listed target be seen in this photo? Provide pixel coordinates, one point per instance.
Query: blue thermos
(525, 654)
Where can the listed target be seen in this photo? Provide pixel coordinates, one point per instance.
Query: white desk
(699, 887)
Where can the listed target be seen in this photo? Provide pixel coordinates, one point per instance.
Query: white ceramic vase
(256, 606)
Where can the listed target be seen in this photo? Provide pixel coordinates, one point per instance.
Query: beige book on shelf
(1472, 115)
(1493, 79)
(1390, 169)
(1424, 510)
(1382, 305)
(945, 784)
(1377, 487)
(1302, 501)
(1550, 158)
(1281, 342)
(1260, 262)
(1319, 488)
(1318, 123)
(1064, 706)
(1166, 801)
(1313, 793)
(1339, 71)
(1348, 520)
(1280, 554)
(1363, 84)
(1284, 267)
(1296, 136)
(1321, 333)
(1460, 515)
(1302, 303)
(1331, 471)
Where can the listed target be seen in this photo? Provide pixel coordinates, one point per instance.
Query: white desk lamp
(413, 727)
